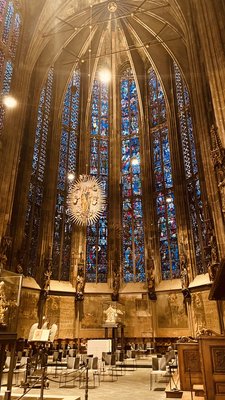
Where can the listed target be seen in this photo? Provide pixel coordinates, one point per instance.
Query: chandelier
(86, 200)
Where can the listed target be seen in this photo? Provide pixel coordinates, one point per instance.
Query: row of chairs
(19, 370)
(108, 368)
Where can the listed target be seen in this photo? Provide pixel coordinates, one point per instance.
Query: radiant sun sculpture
(86, 200)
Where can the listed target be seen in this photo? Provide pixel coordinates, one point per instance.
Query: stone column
(209, 18)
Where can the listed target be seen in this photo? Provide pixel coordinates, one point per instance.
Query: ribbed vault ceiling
(67, 32)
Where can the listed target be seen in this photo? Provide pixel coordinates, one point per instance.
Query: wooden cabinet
(212, 351)
(189, 365)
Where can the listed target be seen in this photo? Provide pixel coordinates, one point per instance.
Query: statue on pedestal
(116, 285)
(112, 314)
(80, 283)
(4, 246)
(151, 279)
(213, 263)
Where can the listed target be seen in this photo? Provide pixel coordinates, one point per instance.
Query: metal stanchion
(86, 382)
(189, 371)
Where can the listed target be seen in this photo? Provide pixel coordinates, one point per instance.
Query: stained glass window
(7, 78)
(67, 164)
(97, 234)
(191, 171)
(163, 181)
(132, 211)
(35, 195)
(2, 9)
(11, 25)
(2, 61)
(15, 36)
(8, 22)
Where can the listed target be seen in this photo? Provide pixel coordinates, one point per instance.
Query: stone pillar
(209, 18)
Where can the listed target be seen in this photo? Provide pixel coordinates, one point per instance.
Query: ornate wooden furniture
(189, 365)
(212, 350)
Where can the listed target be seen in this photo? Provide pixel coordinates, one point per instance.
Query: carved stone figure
(213, 263)
(4, 246)
(151, 279)
(47, 279)
(184, 271)
(116, 285)
(80, 283)
(112, 314)
(221, 186)
(199, 312)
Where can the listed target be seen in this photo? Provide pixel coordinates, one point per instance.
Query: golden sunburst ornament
(86, 200)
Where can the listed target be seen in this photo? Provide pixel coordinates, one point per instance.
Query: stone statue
(116, 285)
(47, 279)
(221, 186)
(4, 246)
(112, 314)
(80, 283)
(184, 271)
(199, 312)
(213, 263)
(151, 279)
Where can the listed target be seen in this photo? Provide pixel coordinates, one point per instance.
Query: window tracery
(97, 234)
(36, 186)
(194, 193)
(163, 180)
(10, 20)
(67, 165)
(132, 210)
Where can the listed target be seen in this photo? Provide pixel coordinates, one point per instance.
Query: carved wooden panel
(212, 350)
(218, 359)
(189, 365)
(191, 361)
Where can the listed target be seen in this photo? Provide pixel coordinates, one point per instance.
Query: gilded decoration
(86, 200)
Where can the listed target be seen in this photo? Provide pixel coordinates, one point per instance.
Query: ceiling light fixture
(105, 75)
(71, 176)
(9, 101)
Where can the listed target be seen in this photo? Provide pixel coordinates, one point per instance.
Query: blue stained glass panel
(61, 257)
(2, 9)
(15, 36)
(7, 78)
(36, 186)
(162, 169)
(97, 235)
(132, 213)
(196, 213)
(8, 22)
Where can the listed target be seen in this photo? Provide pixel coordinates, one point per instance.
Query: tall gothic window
(163, 182)
(197, 219)
(132, 212)
(36, 188)
(67, 165)
(10, 26)
(97, 234)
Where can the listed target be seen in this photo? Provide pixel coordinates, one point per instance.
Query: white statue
(112, 314)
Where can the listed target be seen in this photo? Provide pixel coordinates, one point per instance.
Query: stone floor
(132, 385)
